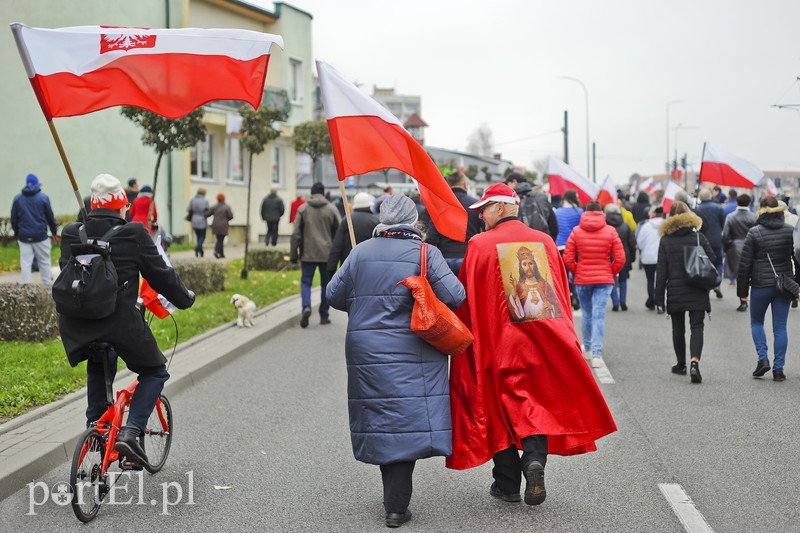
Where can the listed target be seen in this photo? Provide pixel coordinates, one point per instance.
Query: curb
(56, 447)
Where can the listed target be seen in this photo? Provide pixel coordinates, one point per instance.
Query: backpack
(87, 286)
(534, 210)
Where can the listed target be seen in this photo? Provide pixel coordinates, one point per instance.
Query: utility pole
(685, 173)
(594, 163)
(565, 129)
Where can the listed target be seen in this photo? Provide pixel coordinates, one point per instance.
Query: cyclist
(132, 252)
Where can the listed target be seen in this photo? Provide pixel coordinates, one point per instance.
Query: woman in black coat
(770, 240)
(620, 291)
(680, 230)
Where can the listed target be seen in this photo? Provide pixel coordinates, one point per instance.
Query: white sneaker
(597, 362)
(587, 354)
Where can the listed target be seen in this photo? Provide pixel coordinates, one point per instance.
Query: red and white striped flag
(366, 137)
(646, 185)
(656, 187)
(608, 192)
(724, 168)
(153, 301)
(171, 72)
(669, 195)
(772, 189)
(563, 177)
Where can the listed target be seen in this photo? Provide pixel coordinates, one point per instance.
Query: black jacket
(678, 232)
(272, 208)
(628, 240)
(363, 224)
(132, 251)
(771, 234)
(641, 209)
(525, 189)
(713, 222)
(446, 245)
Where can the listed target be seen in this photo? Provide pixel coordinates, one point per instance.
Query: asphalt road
(266, 443)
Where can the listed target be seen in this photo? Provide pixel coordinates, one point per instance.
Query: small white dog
(246, 308)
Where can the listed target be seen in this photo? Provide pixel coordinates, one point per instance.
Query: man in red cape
(523, 384)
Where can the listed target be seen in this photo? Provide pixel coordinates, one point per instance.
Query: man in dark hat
(31, 215)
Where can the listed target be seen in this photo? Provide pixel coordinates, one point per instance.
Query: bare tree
(540, 167)
(481, 142)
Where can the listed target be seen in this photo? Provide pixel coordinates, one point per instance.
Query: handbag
(784, 282)
(188, 217)
(700, 272)
(432, 320)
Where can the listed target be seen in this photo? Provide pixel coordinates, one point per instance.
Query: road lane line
(682, 504)
(603, 374)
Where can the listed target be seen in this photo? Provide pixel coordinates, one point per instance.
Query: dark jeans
(151, 383)
(679, 334)
(650, 272)
(308, 268)
(218, 250)
(508, 465)
(720, 254)
(201, 238)
(397, 486)
(272, 233)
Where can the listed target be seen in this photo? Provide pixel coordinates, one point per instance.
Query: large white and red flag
(563, 177)
(669, 195)
(81, 69)
(608, 192)
(365, 137)
(724, 168)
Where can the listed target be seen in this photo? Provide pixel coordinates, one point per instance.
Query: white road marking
(682, 504)
(603, 374)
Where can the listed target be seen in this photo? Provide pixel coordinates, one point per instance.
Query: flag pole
(347, 214)
(68, 168)
(700, 174)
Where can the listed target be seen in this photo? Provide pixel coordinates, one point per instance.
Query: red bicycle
(95, 455)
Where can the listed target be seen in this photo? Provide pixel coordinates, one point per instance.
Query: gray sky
(499, 63)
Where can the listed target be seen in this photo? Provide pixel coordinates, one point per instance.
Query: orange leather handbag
(432, 320)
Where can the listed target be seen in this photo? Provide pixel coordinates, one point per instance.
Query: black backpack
(534, 210)
(87, 286)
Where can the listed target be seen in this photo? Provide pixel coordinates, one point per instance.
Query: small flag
(608, 192)
(669, 195)
(154, 302)
(646, 185)
(772, 189)
(724, 168)
(563, 177)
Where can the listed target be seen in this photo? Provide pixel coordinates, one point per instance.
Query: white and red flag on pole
(723, 168)
(772, 189)
(562, 177)
(154, 302)
(171, 72)
(669, 195)
(646, 185)
(365, 137)
(608, 192)
(656, 187)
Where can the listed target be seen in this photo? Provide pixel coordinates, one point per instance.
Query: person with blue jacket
(713, 222)
(397, 384)
(31, 215)
(568, 217)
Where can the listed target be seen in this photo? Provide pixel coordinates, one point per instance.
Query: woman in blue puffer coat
(397, 384)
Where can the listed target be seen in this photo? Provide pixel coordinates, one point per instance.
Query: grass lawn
(33, 374)
(9, 256)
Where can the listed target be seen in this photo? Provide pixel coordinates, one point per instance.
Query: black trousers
(650, 273)
(151, 383)
(679, 334)
(218, 250)
(397, 485)
(508, 465)
(272, 233)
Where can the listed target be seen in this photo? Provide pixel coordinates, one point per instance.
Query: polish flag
(563, 177)
(657, 187)
(669, 195)
(154, 302)
(171, 72)
(634, 188)
(608, 192)
(366, 137)
(723, 168)
(646, 185)
(772, 189)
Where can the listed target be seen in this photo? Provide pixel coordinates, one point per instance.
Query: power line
(528, 138)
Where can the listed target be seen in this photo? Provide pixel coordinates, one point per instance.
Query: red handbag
(432, 320)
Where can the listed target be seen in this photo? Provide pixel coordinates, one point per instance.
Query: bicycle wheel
(157, 437)
(88, 486)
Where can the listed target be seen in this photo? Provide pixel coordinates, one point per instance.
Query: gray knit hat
(396, 210)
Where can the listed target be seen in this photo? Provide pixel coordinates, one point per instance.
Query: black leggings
(679, 334)
(397, 486)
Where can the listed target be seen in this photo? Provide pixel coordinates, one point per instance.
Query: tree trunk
(247, 217)
(153, 199)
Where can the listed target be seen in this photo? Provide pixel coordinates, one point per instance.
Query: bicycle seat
(101, 345)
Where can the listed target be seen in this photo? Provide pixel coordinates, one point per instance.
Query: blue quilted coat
(397, 384)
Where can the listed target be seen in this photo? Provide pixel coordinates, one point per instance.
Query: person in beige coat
(220, 224)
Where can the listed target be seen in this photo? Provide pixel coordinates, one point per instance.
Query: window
(412, 108)
(202, 159)
(295, 80)
(277, 165)
(235, 153)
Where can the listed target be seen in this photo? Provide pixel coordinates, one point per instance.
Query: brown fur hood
(684, 220)
(765, 210)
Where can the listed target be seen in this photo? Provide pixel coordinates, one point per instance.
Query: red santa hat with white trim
(499, 192)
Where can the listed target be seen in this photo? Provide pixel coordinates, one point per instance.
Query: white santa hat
(107, 193)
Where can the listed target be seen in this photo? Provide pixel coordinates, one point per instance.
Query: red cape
(521, 376)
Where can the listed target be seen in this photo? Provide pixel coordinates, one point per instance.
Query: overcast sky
(499, 63)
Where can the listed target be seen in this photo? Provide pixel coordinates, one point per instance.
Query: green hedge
(202, 275)
(268, 259)
(27, 313)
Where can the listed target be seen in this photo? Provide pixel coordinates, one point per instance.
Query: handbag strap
(423, 260)
(765, 249)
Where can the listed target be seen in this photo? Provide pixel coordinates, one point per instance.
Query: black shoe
(623, 307)
(660, 309)
(202, 253)
(650, 306)
(794, 304)
(615, 308)
(576, 304)
(778, 375)
(304, 317)
(761, 368)
(694, 372)
(510, 497)
(324, 320)
(742, 307)
(397, 519)
(534, 487)
(679, 369)
(197, 253)
(216, 254)
(128, 444)
(718, 292)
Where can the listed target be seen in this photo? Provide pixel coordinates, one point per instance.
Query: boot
(129, 445)
(761, 368)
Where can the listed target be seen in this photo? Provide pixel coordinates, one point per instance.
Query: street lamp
(669, 104)
(675, 161)
(586, 95)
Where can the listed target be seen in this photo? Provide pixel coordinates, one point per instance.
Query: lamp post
(669, 104)
(675, 161)
(586, 95)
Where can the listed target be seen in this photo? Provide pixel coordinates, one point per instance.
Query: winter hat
(31, 180)
(499, 192)
(220, 197)
(318, 188)
(363, 200)
(107, 193)
(146, 189)
(398, 209)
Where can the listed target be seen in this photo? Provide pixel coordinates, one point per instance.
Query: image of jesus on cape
(531, 297)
